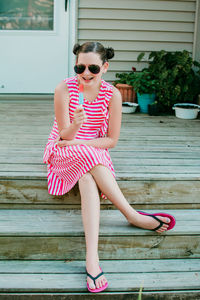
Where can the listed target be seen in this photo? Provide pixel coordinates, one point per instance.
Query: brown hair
(96, 47)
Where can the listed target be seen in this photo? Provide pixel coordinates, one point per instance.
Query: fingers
(79, 116)
(62, 143)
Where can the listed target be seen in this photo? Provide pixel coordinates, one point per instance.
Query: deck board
(123, 276)
(69, 223)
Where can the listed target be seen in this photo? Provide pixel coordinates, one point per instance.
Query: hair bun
(109, 53)
(76, 48)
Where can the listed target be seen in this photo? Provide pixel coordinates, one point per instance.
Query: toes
(103, 282)
(164, 226)
(98, 284)
(91, 285)
(162, 229)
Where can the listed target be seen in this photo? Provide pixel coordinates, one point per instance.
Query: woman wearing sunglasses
(77, 151)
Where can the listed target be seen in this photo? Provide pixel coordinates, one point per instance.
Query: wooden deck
(42, 252)
(157, 159)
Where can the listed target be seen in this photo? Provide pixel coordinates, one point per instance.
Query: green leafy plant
(178, 77)
(142, 82)
(126, 77)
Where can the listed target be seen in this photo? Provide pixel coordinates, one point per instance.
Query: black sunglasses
(79, 69)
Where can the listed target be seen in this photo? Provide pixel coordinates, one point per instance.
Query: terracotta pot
(127, 92)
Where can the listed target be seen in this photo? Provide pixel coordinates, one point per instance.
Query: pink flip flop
(171, 223)
(94, 278)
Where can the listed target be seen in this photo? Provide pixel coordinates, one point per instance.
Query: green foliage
(142, 82)
(178, 76)
(127, 78)
(173, 76)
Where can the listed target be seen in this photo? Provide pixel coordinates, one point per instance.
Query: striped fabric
(66, 165)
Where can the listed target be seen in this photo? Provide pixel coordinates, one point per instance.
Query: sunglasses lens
(95, 69)
(79, 69)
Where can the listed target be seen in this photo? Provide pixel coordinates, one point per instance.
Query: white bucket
(129, 107)
(186, 113)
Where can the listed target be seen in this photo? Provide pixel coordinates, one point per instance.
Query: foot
(94, 270)
(147, 222)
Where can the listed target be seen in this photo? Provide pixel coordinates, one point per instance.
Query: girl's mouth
(87, 79)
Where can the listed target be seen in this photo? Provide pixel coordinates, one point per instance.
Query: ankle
(134, 218)
(92, 261)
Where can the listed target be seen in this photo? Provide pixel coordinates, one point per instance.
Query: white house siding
(131, 26)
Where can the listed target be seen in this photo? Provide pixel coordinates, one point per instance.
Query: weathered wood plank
(69, 223)
(138, 193)
(117, 282)
(161, 295)
(45, 234)
(70, 248)
(120, 167)
(119, 176)
(110, 266)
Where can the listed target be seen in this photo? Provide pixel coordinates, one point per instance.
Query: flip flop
(171, 223)
(97, 290)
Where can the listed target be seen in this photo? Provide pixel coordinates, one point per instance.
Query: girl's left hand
(64, 142)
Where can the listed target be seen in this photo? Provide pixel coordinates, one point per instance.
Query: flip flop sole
(172, 219)
(97, 290)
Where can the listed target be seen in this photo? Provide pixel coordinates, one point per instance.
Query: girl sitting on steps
(77, 151)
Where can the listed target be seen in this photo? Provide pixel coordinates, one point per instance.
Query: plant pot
(127, 92)
(153, 109)
(144, 100)
(129, 107)
(186, 110)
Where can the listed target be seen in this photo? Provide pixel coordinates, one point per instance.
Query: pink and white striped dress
(66, 165)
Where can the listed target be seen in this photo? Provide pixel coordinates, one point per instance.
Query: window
(26, 14)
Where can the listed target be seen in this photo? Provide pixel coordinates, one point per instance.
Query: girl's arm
(66, 129)
(115, 112)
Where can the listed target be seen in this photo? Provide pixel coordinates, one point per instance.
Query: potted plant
(145, 86)
(124, 85)
(178, 77)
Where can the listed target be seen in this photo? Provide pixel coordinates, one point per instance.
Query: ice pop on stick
(81, 99)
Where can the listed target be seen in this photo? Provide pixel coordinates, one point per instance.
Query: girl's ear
(105, 67)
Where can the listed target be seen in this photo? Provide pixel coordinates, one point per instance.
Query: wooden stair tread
(122, 275)
(69, 223)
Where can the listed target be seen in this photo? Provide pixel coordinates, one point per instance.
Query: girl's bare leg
(108, 185)
(90, 208)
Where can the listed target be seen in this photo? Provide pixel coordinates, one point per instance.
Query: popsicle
(81, 99)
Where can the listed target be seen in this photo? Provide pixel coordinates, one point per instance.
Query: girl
(77, 151)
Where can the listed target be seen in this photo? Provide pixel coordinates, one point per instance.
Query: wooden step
(141, 194)
(163, 278)
(58, 234)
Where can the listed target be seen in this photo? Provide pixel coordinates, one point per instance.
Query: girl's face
(87, 78)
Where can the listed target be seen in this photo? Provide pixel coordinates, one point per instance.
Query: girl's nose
(86, 71)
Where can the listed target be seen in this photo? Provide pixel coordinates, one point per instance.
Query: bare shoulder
(61, 87)
(116, 97)
(61, 94)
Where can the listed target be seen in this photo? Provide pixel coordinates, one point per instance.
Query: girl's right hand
(79, 116)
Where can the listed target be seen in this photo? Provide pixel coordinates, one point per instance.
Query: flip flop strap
(161, 222)
(95, 278)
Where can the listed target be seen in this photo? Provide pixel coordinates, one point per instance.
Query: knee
(87, 178)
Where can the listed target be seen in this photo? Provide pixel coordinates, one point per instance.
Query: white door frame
(72, 27)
